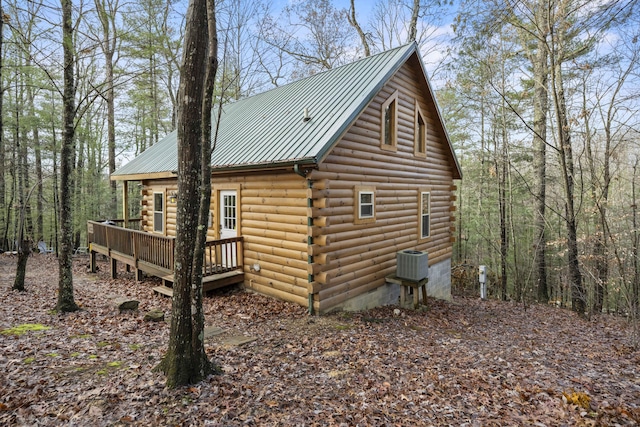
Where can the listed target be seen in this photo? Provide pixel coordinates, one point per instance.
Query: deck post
(114, 268)
(134, 245)
(92, 260)
(125, 203)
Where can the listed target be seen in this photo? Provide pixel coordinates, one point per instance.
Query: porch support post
(114, 268)
(125, 203)
(92, 259)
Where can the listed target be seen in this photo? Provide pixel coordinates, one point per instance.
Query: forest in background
(540, 98)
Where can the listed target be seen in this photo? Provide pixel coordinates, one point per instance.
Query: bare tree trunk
(635, 292)
(155, 137)
(354, 23)
(3, 218)
(21, 240)
(24, 243)
(578, 297)
(108, 44)
(66, 302)
(501, 173)
(39, 226)
(413, 24)
(186, 361)
(598, 251)
(79, 209)
(56, 190)
(540, 110)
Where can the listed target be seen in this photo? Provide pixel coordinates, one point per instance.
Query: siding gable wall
(359, 256)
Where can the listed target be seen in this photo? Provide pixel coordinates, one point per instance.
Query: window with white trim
(364, 204)
(425, 214)
(366, 208)
(158, 212)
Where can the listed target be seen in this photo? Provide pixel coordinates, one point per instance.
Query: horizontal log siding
(272, 220)
(357, 257)
(274, 226)
(167, 187)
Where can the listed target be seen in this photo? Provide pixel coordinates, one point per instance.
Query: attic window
(389, 119)
(420, 147)
(365, 203)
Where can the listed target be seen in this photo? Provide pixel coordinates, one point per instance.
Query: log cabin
(316, 186)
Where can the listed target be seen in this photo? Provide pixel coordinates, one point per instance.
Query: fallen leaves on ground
(464, 362)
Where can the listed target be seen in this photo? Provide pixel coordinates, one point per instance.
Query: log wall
(167, 187)
(355, 258)
(272, 218)
(302, 232)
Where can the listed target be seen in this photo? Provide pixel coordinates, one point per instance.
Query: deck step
(212, 331)
(163, 290)
(209, 283)
(216, 281)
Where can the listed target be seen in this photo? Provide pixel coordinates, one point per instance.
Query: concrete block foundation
(439, 286)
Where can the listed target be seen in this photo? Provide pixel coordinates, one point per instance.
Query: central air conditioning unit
(412, 265)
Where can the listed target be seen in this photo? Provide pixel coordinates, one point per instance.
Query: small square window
(364, 204)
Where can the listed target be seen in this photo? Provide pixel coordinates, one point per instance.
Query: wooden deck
(153, 254)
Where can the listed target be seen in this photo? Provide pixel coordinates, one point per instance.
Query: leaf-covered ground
(464, 362)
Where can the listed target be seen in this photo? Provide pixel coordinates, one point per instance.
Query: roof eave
(141, 176)
(305, 163)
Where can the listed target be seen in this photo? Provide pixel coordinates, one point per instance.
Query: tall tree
(356, 25)
(66, 302)
(413, 22)
(3, 218)
(313, 33)
(568, 40)
(107, 15)
(635, 242)
(186, 361)
(396, 22)
(540, 60)
(152, 50)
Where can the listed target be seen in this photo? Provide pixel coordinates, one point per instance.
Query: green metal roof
(268, 130)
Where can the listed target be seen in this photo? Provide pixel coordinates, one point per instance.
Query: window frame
(420, 139)
(159, 213)
(392, 102)
(357, 214)
(421, 193)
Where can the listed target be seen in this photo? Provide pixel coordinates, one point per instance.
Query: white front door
(228, 224)
(228, 214)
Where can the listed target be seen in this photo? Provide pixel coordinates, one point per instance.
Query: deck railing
(132, 224)
(220, 255)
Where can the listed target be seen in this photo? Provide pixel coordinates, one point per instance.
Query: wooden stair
(164, 290)
(209, 283)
